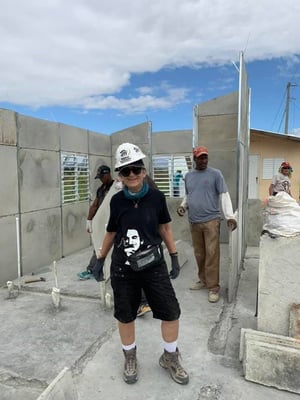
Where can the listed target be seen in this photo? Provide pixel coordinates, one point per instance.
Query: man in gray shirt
(206, 189)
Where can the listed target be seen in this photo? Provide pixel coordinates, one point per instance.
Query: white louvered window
(164, 170)
(270, 167)
(74, 177)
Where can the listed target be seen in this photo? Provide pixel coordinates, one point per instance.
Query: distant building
(267, 151)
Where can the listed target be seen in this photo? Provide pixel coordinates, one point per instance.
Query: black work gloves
(175, 267)
(98, 269)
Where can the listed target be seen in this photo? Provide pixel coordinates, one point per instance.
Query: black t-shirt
(103, 190)
(136, 225)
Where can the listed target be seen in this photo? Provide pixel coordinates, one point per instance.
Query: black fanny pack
(146, 258)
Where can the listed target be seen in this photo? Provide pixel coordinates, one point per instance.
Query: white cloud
(148, 100)
(83, 52)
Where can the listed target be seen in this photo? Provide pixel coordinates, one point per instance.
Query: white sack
(282, 215)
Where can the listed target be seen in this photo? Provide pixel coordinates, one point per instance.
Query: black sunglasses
(126, 171)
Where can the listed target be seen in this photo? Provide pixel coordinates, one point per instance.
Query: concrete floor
(38, 341)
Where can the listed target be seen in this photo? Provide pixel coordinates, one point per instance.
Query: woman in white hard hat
(139, 221)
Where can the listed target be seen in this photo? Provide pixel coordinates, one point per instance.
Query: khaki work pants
(206, 244)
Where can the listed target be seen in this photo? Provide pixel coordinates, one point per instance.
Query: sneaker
(84, 275)
(213, 296)
(130, 366)
(171, 362)
(197, 286)
(143, 309)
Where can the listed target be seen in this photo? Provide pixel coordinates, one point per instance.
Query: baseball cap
(286, 164)
(198, 151)
(102, 170)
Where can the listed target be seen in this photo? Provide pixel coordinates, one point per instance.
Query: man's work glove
(98, 269)
(89, 228)
(175, 267)
(232, 224)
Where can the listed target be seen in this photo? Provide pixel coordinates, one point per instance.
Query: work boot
(143, 309)
(171, 362)
(130, 366)
(198, 286)
(213, 296)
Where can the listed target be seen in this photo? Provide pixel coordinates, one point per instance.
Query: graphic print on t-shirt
(132, 242)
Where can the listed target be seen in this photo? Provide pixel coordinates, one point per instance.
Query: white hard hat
(126, 154)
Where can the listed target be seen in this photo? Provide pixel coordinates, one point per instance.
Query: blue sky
(105, 66)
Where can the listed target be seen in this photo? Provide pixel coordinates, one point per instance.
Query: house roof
(277, 135)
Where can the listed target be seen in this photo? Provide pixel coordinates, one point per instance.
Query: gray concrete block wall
(34, 133)
(137, 134)
(39, 174)
(73, 139)
(40, 143)
(8, 181)
(41, 238)
(217, 129)
(223, 150)
(254, 222)
(279, 282)
(8, 249)
(9, 196)
(180, 225)
(172, 142)
(75, 236)
(8, 127)
(99, 144)
(222, 105)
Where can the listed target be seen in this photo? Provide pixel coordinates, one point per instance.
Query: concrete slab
(38, 342)
(271, 360)
(61, 388)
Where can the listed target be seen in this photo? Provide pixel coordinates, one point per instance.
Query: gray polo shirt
(203, 188)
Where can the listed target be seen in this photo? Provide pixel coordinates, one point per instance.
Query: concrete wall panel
(180, 225)
(223, 150)
(219, 133)
(172, 142)
(217, 129)
(220, 105)
(8, 127)
(137, 134)
(73, 139)
(8, 180)
(75, 237)
(278, 283)
(41, 239)
(99, 144)
(36, 133)
(8, 249)
(254, 222)
(39, 179)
